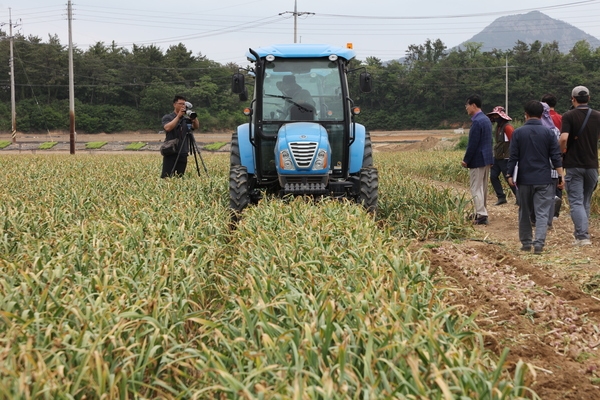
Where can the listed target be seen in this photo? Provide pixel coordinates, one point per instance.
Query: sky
(224, 30)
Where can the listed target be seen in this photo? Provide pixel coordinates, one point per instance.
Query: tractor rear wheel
(239, 188)
(369, 187)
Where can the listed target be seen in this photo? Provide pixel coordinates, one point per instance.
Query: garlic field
(117, 284)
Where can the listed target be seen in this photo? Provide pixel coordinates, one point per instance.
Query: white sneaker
(582, 242)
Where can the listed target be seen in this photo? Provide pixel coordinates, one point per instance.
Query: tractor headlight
(321, 161)
(285, 160)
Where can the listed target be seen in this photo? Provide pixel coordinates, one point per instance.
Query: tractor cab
(301, 137)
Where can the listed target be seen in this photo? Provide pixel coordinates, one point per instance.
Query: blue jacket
(533, 146)
(479, 150)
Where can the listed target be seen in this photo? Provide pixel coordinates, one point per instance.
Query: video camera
(191, 114)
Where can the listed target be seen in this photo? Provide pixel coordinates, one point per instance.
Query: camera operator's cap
(580, 91)
(501, 112)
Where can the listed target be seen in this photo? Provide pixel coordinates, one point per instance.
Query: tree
(117, 88)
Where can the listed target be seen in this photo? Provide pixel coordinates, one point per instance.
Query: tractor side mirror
(366, 82)
(238, 85)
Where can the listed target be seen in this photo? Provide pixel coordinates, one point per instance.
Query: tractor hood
(305, 143)
(302, 132)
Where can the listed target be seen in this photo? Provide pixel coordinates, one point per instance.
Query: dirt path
(544, 308)
(30, 142)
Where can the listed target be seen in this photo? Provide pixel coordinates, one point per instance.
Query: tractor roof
(302, 51)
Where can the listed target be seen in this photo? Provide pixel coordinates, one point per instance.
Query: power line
(450, 16)
(221, 31)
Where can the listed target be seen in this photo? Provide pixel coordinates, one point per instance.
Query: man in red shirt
(550, 99)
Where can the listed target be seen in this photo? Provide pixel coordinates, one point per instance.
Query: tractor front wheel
(234, 155)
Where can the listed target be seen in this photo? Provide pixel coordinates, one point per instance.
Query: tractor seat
(304, 113)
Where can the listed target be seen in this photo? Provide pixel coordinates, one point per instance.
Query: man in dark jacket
(478, 157)
(535, 149)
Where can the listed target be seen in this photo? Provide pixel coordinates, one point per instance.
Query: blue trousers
(534, 200)
(581, 183)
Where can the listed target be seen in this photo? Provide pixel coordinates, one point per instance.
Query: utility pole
(296, 14)
(506, 87)
(11, 63)
(72, 134)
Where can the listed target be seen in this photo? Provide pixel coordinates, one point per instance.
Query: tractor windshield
(302, 90)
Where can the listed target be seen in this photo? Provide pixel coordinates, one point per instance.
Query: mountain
(503, 33)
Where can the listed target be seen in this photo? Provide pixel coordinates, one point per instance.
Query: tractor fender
(246, 147)
(357, 149)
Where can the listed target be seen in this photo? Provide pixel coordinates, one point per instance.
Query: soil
(544, 308)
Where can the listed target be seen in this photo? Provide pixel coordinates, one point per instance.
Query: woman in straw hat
(502, 136)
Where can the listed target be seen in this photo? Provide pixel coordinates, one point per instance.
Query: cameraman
(175, 126)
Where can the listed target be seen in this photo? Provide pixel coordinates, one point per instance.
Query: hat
(500, 111)
(289, 79)
(580, 91)
(288, 83)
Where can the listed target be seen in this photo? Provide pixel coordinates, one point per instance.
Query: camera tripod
(189, 136)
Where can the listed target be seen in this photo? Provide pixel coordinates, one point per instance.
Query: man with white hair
(579, 145)
(478, 157)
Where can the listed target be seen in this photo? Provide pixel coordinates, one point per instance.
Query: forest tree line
(119, 89)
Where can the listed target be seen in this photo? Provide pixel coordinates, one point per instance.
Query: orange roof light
(349, 46)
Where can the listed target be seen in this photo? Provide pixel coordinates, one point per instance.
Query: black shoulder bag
(570, 140)
(170, 147)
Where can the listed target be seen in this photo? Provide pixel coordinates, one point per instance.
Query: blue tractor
(301, 137)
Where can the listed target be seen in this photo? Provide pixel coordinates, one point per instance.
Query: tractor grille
(304, 153)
